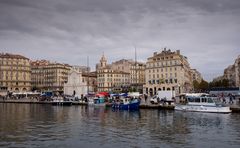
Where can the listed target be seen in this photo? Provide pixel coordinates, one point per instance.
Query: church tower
(103, 61)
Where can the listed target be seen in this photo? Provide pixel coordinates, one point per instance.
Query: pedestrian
(230, 99)
(224, 100)
(145, 97)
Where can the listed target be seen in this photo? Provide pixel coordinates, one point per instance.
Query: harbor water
(45, 126)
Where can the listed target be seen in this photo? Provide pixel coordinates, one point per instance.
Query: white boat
(61, 101)
(96, 101)
(202, 103)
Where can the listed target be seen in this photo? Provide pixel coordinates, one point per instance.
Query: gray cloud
(207, 32)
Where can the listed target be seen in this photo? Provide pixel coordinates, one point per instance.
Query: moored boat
(60, 101)
(202, 103)
(99, 99)
(126, 104)
(96, 101)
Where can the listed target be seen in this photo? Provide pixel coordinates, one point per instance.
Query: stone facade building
(48, 76)
(232, 73)
(84, 69)
(167, 70)
(80, 84)
(15, 73)
(136, 70)
(196, 75)
(109, 78)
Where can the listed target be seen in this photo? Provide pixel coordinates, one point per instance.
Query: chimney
(155, 53)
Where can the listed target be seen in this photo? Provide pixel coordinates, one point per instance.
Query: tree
(225, 83)
(203, 86)
(220, 83)
(196, 86)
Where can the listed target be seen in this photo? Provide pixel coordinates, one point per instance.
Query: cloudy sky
(206, 31)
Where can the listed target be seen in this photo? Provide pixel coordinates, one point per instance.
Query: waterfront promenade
(235, 107)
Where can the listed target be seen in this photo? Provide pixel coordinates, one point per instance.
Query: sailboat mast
(87, 75)
(135, 65)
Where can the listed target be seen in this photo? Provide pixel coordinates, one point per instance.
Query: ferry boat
(202, 103)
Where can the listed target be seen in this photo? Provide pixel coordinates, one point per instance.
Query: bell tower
(103, 61)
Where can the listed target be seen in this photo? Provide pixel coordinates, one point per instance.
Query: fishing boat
(126, 104)
(96, 101)
(99, 99)
(202, 103)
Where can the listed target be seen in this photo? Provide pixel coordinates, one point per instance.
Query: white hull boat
(202, 104)
(203, 108)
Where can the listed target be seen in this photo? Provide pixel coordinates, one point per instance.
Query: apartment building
(15, 73)
(49, 76)
(136, 70)
(196, 75)
(110, 79)
(167, 70)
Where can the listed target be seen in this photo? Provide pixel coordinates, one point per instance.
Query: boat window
(190, 99)
(204, 99)
(210, 100)
(197, 99)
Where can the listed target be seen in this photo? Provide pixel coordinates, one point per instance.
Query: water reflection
(29, 125)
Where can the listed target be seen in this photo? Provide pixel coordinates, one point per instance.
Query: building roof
(8, 55)
(46, 63)
(91, 74)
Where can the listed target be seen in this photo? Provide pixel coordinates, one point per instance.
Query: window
(210, 100)
(197, 99)
(190, 99)
(175, 80)
(204, 99)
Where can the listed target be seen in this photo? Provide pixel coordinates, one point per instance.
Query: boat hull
(97, 104)
(202, 108)
(129, 106)
(62, 103)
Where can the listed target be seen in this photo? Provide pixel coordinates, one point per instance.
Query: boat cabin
(201, 100)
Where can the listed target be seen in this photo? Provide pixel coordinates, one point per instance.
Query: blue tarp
(122, 94)
(47, 94)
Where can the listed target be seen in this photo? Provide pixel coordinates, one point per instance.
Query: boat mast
(135, 68)
(87, 75)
